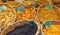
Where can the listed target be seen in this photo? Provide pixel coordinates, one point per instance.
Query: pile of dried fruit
(53, 30)
(26, 13)
(51, 27)
(7, 16)
(48, 13)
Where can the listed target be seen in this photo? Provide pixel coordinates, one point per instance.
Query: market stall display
(29, 17)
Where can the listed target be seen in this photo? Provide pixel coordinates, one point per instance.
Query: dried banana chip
(7, 16)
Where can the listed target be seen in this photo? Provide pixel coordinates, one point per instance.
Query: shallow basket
(26, 2)
(13, 3)
(44, 13)
(20, 23)
(28, 12)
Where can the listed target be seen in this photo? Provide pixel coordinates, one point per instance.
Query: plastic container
(51, 27)
(21, 23)
(7, 16)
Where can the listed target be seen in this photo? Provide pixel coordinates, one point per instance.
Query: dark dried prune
(23, 30)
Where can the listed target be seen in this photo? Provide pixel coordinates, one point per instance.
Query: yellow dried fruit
(7, 16)
(45, 14)
(54, 29)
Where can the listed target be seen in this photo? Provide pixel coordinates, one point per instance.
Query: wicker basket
(27, 13)
(26, 2)
(20, 23)
(48, 13)
(13, 3)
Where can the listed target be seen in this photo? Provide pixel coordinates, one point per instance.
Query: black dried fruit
(23, 30)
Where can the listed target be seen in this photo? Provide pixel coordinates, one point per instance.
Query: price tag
(47, 23)
(2, 8)
(32, 23)
(49, 7)
(20, 9)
